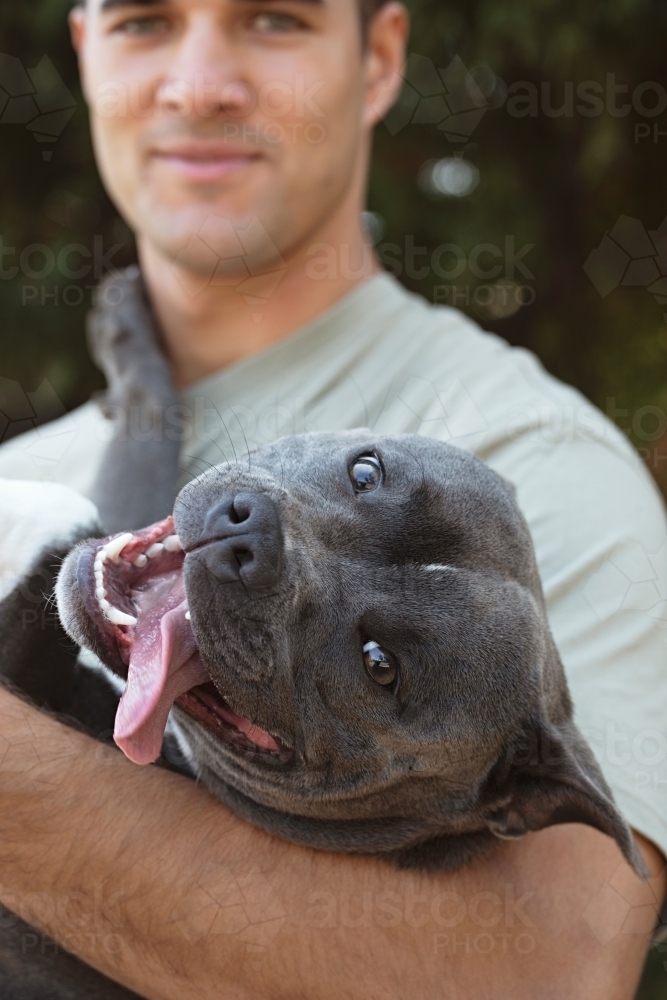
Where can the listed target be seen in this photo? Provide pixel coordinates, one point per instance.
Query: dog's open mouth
(140, 604)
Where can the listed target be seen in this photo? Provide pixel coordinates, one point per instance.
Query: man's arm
(146, 877)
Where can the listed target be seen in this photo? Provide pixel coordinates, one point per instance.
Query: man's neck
(208, 326)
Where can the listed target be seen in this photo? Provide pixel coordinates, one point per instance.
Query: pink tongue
(164, 664)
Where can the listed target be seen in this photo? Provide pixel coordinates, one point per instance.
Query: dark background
(557, 182)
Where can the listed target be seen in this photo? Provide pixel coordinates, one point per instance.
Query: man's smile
(206, 161)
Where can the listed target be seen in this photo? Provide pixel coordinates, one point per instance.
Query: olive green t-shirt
(386, 359)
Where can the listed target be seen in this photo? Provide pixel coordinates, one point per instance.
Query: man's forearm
(145, 876)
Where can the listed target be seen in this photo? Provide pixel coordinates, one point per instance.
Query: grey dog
(344, 637)
(348, 635)
(355, 650)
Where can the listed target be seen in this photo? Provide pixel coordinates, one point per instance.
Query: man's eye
(380, 668)
(138, 27)
(274, 23)
(366, 474)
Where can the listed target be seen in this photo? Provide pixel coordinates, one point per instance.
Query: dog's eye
(378, 664)
(366, 474)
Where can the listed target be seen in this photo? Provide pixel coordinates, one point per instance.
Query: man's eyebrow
(111, 4)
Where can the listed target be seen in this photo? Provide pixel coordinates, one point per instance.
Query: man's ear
(552, 777)
(77, 21)
(77, 31)
(385, 58)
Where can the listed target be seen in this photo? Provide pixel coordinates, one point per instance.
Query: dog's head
(351, 634)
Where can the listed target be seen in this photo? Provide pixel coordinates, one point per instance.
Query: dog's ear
(548, 777)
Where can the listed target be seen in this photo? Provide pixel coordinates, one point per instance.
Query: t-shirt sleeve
(600, 534)
(68, 450)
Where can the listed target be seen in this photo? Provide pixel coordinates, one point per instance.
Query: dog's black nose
(242, 540)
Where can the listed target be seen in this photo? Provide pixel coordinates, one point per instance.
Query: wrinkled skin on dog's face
(351, 635)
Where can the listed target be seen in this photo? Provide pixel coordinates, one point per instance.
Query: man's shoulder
(67, 450)
(453, 380)
(442, 342)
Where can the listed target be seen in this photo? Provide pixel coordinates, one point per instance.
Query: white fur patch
(33, 517)
(174, 730)
(439, 568)
(91, 661)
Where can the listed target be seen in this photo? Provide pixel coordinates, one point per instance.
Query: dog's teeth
(104, 604)
(118, 617)
(155, 550)
(188, 616)
(140, 561)
(114, 548)
(172, 543)
(100, 593)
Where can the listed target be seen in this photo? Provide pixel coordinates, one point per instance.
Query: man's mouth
(205, 161)
(140, 604)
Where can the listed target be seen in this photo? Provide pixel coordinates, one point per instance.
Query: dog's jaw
(133, 593)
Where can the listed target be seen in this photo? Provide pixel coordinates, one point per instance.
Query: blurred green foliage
(654, 981)
(556, 182)
(51, 203)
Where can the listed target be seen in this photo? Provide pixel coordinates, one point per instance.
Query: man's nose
(241, 540)
(204, 77)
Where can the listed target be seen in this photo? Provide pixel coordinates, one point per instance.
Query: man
(275, 319)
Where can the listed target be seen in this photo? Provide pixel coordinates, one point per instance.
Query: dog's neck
(137, 481)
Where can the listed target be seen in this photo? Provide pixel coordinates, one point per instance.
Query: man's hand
(146, 877)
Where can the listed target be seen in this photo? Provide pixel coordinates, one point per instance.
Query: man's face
(236, 110)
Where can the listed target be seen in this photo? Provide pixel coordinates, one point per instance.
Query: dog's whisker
(231, 441)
